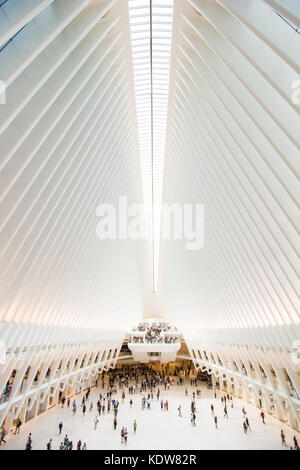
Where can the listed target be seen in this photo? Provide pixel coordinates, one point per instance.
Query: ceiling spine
(151, 33)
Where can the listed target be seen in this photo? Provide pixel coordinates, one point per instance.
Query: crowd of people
(153, 338)
(148, 384)
(158, 327)
(154, 333)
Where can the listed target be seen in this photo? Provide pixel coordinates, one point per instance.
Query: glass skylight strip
(152, 153)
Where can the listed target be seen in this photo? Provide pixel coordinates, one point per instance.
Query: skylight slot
(151, 26)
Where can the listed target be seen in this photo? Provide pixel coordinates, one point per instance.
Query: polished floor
(156, 429)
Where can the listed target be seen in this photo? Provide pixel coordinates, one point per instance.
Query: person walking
(282, 435)
(74, 407)
(84, 447)
(60, 426)
(248, 424)
(296, 445)
(96, 421)
(245, 427)
(179, 411)
(216, 421)
(134, 426)
(49, 445)
(212, 409)
(18, 426)
(29, 442)
(262, 415)
(3, 434)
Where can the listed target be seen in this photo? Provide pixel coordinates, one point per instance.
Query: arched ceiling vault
(227, 138)
(233, 146)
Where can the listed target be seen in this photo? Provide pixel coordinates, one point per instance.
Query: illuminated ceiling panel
(151, 33)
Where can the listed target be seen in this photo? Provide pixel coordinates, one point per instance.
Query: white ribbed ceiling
(72, 138)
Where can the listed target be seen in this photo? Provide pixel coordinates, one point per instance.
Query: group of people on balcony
(159, 327)
(151, 338)
(154, 333)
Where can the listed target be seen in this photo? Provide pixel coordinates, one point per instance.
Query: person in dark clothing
(296, 445)
(29, 442)
(49, 445)
(18, 426)
(3, 434)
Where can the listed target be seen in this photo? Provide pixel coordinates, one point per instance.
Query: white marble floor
(156, 429)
